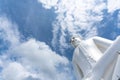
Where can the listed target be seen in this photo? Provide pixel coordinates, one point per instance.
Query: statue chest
(91, 52)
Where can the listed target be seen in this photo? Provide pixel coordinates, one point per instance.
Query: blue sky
(34, 35)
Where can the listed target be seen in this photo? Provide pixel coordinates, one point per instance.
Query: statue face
(75, 41)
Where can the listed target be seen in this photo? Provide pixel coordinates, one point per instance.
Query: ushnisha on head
(75, 40)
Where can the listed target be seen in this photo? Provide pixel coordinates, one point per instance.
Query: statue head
(75, 40)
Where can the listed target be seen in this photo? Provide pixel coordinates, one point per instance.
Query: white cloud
(50, 3)
(74, 17)
(30, 59)
(9, 31)
(39, 55)
(14, 71)
(113, 5)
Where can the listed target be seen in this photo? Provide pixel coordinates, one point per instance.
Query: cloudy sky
(34, 35)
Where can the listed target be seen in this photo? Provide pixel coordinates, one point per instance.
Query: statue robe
(87, 54)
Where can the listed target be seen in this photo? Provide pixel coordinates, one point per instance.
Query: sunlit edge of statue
(95, 58)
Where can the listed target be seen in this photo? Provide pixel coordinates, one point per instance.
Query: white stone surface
(96, 58)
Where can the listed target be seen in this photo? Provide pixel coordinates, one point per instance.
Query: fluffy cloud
(113, 5)
(38, 56)
(7, 33)
(14, 71)
(31, 59)
(75, 17)
(50, 3)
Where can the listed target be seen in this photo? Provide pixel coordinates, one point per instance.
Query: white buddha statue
(95, 58)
